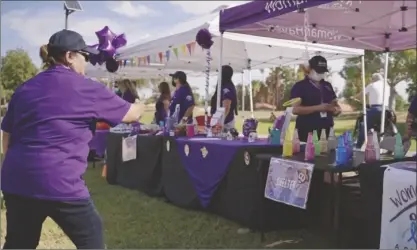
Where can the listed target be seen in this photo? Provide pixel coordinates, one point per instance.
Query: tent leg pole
(365, 125)
(383, 94)
(219, 77)
(250, 89)
(243, 91)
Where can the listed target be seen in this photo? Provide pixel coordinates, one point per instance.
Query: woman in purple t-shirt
(46, 131)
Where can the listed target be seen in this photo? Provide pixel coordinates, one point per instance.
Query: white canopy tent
(241, 52)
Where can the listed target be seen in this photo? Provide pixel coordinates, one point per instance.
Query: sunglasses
(85, 55)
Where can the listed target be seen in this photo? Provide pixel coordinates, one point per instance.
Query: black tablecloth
(144, 173)
(176, 182)
(371, 177)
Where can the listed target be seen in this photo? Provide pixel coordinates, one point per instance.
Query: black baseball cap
(68, 40)
(319, 64)
(180, 75)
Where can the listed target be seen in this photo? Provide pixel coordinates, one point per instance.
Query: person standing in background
(411, 121)
(162, 104)
(228, 98)
(183, 96)
(128, 90)
(375, 93)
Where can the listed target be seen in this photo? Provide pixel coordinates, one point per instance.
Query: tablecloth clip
(291, 102)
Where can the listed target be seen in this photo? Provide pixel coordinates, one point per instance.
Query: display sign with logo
(289, 181)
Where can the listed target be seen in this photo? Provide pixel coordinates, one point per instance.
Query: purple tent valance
(370, 25)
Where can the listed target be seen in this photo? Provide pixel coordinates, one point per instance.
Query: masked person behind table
(128, 90)
(46, 132)
(183, 96)
(318, 102)
(162, 104)
(228, 98)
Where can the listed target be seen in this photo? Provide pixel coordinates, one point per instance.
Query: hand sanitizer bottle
(341, 151)
(316, 143)
(295, 143)
(323, 142)
(399, 148)
(287, 149)
(332, 141)
(370, 154)
(309, 151)
(375, 143)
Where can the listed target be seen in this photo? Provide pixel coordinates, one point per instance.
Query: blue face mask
(116, 90)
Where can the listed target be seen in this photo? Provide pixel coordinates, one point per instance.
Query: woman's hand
(325, 107)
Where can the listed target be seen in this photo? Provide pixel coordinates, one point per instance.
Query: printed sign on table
(129, 148)
(399, 204)
(288, 182)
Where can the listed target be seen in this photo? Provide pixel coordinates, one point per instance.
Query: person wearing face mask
(162, 104)
(228, 98)
(116, 89)
(183, 96)
(46, 132)
(318, 102)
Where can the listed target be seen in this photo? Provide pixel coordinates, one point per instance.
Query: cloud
(202, 7)
(129, 9)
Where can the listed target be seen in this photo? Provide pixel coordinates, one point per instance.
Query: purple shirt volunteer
(413, 107)
(312, 95)
(184, 98)
(228, 93)
(49, 119)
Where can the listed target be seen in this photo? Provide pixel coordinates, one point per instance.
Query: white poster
(399, 204)
(129, 148)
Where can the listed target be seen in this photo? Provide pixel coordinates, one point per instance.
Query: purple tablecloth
(99, 142)
(207, 161)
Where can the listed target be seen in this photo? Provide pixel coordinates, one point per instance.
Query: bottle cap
(310, 138)
(315, 136)
(340, 141)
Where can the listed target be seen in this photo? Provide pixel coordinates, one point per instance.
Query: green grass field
(133, 220)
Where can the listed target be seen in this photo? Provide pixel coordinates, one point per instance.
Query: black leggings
(79, 220)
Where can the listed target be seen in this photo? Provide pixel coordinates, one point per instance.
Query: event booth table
(371, 182)
(144, 172)
(195, 172)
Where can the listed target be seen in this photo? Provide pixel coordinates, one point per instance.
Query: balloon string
(208, 69)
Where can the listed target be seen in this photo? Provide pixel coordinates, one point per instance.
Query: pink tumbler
(190, 130)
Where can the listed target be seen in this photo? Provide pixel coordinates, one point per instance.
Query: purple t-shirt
(228, 93)
(312, 95)
(48, 120)
(128, 96)
(184, 98)
(413, 107)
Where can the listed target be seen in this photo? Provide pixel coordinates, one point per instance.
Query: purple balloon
(107, 48)
(119, 41)
(105, 35)
(204, 38)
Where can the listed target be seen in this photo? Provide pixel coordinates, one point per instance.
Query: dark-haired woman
(46, 132)
(162, 104)
(228, 98)
(183, 96)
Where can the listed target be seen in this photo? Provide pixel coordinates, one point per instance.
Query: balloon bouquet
(108, 43)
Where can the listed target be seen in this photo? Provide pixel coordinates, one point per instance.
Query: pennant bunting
(189, 48)
(175, 52)
(161, 57)
(148, 59)
(167, 54)
(184, 49)
(124, 63)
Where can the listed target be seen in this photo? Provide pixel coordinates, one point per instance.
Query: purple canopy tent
(372, 25)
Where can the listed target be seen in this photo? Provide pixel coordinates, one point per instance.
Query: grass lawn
(133, 220)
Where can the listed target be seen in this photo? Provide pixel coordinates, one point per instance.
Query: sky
(29, 24)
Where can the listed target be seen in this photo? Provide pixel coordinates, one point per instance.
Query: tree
(398, 71)
(17, 67)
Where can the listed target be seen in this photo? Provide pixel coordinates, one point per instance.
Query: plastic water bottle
(309, 151)
(316, 143)
(323, 142)
(399, 148)
(295, 143)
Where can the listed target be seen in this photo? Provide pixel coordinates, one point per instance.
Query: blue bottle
(341, 151)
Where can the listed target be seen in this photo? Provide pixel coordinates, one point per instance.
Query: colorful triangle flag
(184, 49)
(189, 48)
(167, 54)
(175, 52)
(148, 59)
(161, 56)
